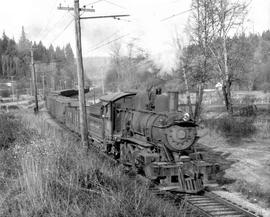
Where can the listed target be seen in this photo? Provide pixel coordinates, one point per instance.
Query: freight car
(143, 131)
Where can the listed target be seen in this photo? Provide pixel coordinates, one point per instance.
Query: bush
(248, 100)
(234, 127)
(5, 93)
(9, 127)
(251, 191)
(265, 87)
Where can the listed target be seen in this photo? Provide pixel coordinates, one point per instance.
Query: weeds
(55, 177)
(234, 129)
(8, 127)
(253, 192)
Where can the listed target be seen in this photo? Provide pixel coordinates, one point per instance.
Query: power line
(117, 5)
(62, 31)
(55, 24)
(49, 20)
(109, 42)
(175, 15)
(92, 3)
(116, 16)
(162, 20)
(104, 40)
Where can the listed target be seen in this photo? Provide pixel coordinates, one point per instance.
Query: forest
(57, 65)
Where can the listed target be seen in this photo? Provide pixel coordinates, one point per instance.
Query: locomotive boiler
(145, 132)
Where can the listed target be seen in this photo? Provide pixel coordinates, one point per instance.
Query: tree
(227, 16)
(51, 53)
(4, 44)
(70, 63)
(196, 63)
(24, 44)
(133, 70)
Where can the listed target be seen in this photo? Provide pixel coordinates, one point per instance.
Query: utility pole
(80, 69)
(43, 84)
(12, 87)
(80, 73)
(34, 79)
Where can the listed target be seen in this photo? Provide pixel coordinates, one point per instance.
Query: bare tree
(201, 36)
(183, 62)
(130, 66)
(227, 17)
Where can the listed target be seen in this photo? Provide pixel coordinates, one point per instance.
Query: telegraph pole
(12, 88)
(43, 84)
(80, 73)
(80, 69)
(34, 79)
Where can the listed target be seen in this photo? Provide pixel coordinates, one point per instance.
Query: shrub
(265, 87)
(248, 100)
(5, 93)
(8, 127)
(234, 127)
(251, 191)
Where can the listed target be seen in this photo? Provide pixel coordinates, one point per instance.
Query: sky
(147, 24)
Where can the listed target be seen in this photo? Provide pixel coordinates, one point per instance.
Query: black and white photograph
(135, 108)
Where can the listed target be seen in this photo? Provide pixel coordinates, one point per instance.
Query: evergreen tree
(41, 54)
(24, 44)
(51, 53)
(70, 64)
(69, 54)
(4, 44)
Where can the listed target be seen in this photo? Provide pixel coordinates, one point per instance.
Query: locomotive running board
(136, 141)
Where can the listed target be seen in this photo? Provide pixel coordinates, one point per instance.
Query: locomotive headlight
(186, 116)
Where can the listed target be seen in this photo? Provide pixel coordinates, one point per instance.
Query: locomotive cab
(113, 104)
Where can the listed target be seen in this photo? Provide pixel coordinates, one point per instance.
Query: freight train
(143, 131)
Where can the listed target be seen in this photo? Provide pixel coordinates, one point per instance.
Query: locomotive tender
(146, 132)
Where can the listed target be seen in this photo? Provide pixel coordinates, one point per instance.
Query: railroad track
(207, 204)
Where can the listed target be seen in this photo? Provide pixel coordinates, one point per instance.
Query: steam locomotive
(144, 131)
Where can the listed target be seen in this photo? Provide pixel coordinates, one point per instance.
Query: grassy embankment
(45, 172)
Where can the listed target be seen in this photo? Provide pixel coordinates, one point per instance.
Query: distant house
(218, 86)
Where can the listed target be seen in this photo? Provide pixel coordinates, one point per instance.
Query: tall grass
(252, 192)
(234, 129)
(55, 176)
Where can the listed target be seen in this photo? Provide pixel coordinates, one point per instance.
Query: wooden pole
(12, 88)
(34, 80)
(80, 75)
(43, 85)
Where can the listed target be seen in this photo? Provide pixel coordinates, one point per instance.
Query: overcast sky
(42, 21)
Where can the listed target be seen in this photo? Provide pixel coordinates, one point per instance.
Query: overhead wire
(65, 28)
(48, 21)
(175, 15)
(92, 3)
(107, 38)
(120, 37)
(45, 28)
(109, 42)
(117, 5)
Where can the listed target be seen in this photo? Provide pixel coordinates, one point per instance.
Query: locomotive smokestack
(173, 101)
